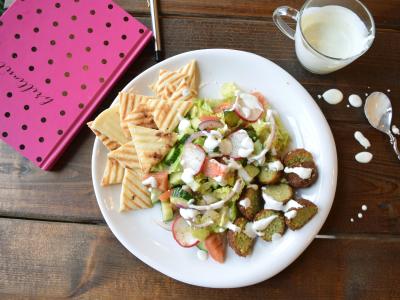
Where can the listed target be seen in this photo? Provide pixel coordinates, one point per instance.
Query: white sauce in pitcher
(334, 31)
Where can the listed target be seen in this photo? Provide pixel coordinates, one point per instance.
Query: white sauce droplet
(388, 90)
(275, 165)
(364, 207)
(291, 214)
(245, 202)
(319, 96)
(351, 220)
(360, 215)
(395, 130)
(364, 157)
(366, 94)
(333, 96)
(232, 227)
(202, 255)
(355, 100)
(362, 139)
(150, 181)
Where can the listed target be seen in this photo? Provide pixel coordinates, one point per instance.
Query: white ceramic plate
(139, 232)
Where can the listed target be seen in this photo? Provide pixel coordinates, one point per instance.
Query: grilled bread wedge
(113, 173)
(151, 145)
(134, 195)
(126, 155)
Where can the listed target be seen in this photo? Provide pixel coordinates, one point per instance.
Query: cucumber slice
(232, 212)
(175, 179)
(181, 193)
(252, 171)
(200, 233)
(280, 192)
(172, 155)
(154, 194)
(258, 147)
(183, 139)
(231, 118)
(202, 246)
(167, 212)
(269, 176)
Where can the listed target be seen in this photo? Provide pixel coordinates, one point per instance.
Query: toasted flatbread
(134, 195)
(192, 73)
(141, 116)
(126, 155)
(132, 103)
(111, 145)
(183, 92)
(151, 145)
(113, 173)
(108, 124)
(167, 83)
(167, 114)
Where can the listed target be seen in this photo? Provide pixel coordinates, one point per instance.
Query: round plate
(139, 231)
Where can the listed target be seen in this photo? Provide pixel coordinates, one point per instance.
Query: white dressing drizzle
(362, 139)
(150, 181)
(333, 96)
(303, 173)
(291, 214)
(364, 157)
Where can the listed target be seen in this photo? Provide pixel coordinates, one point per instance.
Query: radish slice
(194, 136)
(210, 124)
(193, 158)
(242, 145)
(182, 233)
(247, 107)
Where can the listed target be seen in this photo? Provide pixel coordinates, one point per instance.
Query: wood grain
(67, 194)
(384, 12)
(57, 260)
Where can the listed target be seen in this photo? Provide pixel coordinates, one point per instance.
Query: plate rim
(153, 263)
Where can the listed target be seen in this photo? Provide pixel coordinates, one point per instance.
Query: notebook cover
(58, 59)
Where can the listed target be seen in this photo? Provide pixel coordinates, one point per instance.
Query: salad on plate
(219, 169)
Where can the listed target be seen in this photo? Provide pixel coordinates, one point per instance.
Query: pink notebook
(58, 59)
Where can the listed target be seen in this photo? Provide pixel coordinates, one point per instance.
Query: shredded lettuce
(282, 139)
(262, 130)
(228, 90)
(200, 108)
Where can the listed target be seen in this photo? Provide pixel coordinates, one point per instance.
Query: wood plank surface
(57, 260)
(67, 194)
(54, 242)
(384, 12)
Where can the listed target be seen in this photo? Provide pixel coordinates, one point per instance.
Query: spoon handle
(393, 141)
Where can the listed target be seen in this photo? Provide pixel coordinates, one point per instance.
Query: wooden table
(54, 241)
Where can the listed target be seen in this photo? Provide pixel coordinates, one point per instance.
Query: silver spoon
(378, 110)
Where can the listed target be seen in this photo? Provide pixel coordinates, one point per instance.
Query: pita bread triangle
(126, 155)
(191, 71)
(130, 102)
(134, 195)
(113, 173)
(141, 116)
(167, 114)
(111, 145)
(108, 124)
(167, 83)
(151, 145)
(183, 92)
